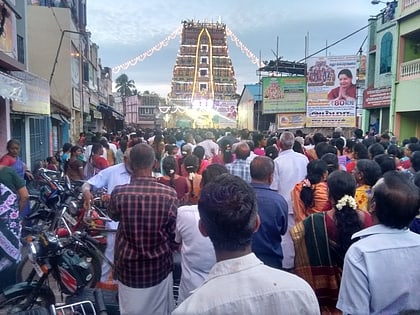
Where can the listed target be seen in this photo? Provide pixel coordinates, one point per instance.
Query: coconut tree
(125, 88)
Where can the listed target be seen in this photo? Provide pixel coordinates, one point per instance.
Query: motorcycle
(48, 256)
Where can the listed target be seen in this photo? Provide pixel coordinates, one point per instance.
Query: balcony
(410, 70)
(409, 6)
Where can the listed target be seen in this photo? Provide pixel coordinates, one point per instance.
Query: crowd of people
(266, 223)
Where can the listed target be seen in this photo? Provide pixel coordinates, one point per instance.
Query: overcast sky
(125, 29)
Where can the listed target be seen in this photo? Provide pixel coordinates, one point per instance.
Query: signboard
(331, 91)
(291, 120)
(283, 94)
(380, 97)
(76, 99)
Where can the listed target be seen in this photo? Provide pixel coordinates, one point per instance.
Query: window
(204, 60)
(204, 48)
(386, 53)
(203, 87)
(203, 73)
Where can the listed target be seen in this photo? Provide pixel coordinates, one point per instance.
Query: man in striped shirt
(146, 211)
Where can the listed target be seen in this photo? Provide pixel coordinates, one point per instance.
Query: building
(380, 74)
(24, 97)
(203, 89)
(406, 121)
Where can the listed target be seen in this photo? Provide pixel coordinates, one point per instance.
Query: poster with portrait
(331, 91)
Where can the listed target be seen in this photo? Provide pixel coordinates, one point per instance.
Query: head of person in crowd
(13, 147)
(415, 161)
(317, 172)
(97, 149)
(298, 147)
(260, 140)
(416, 179)
(228, 214)
(271, 141)
(386, 162)
(169, 167)
(211, 172)
(332, 162)
(367, 172)
(242, 150)
(191, 163)
(250, 145)
(271, 151)
(262, 169)
(338, 143)
(244, 134)
(318, 138)
(186, 149)
(394, 150)
(199, 152)
(142, 159)
(324, 148)
(375, 149)
(287, 140)
(226, 150)
(341, 191)
(360, 151)
(413, 139)
(395, 200)
(410, 148)
(358, 133)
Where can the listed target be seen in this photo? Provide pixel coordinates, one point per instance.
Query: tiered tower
(203, 76)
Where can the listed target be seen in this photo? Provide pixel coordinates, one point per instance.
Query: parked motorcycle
(48, 256)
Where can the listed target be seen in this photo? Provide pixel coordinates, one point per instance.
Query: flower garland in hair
(346, 200)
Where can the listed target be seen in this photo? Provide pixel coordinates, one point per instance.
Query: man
(381, 273)
(239, 283)
(240, 167)
(272, 209)
(289, 169)
(211, 148)
(146, 211)
(108, 178)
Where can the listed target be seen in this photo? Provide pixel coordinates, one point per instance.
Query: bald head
(142, 157)
(262, 168)
(242, 151)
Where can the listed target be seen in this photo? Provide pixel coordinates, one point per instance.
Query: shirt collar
(261, 185)
(378, 229)
(234, 265)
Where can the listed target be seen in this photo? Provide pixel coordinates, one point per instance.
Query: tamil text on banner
(283, 95)
(331, 91)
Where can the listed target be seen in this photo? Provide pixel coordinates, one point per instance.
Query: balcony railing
(410, 70)
(410, 4)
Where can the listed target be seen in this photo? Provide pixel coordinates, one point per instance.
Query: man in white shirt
(239, 283)
(381, 273)
(108, 178)
(289, 169)
(211, 148)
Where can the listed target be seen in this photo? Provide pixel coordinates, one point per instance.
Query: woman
(260, 142)
(96, 161)
(191, 164)
(322, 240)
(171, 179)
(359, 151)
(74, 168)
(225, 154)
(12, 159)
(311, 195)
(346, 90)
(366, 173)
(202, 162)
(13, 199)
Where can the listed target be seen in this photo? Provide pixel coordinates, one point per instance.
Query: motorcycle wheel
(13, 302)
(94, 262)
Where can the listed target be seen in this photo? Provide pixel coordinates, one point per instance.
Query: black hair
(397, 200)
(315, 170)
(169, 167)
(346, 72)
(370, 169)
(211, 172)
(415, 160)
(375, 149)
(332, 162)
(228, 212)
(341, 183)
(191, 164)
(226, 148)
(297, 147)
(361, 150)
(386, 162)
(323, 148)
(394, 150)
(271, 151)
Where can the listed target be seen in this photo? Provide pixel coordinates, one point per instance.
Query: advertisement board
(283, 94)
(331, 91)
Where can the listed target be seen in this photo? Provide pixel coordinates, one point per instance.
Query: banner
(380, 97)
(283, 95)
(291, 120)
(331, 91)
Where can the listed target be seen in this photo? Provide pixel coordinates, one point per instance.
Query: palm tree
(125, 88)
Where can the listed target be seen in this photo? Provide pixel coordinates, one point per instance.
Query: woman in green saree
(322, 239)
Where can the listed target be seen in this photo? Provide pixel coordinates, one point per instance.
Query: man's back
(245, 285)
(381, 270)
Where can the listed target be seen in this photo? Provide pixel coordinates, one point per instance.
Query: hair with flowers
(346, 200)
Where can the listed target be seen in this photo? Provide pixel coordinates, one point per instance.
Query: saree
(316, 260)
(320, 201)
